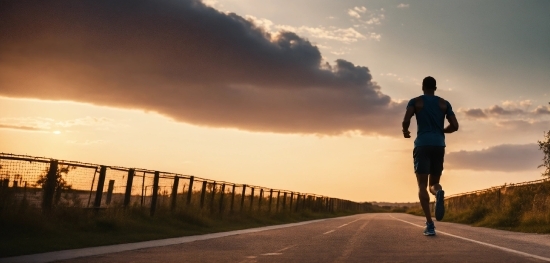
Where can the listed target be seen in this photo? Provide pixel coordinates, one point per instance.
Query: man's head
(428, 84)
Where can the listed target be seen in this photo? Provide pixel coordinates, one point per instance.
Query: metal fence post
(49, 186)
(190, 192)
(100, 183)
(155, 192)
(174, 193)
(203, 193)
(110, 191)
(128, 193)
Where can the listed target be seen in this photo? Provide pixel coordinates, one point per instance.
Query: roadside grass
(519, 209)
(28, 231)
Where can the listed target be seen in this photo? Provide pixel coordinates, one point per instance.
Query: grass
(519, 208)
(28, 231)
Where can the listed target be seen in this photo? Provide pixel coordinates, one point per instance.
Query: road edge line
(481, 243)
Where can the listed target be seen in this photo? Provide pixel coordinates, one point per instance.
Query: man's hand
(407, 122)
(453, 124)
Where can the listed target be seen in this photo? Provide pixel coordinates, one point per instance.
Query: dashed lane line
(349, 223)
(482, 243)
(328, 232)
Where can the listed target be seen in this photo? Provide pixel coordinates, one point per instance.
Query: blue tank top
(430, 121)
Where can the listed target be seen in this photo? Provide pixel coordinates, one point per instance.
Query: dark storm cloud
(504, 158)
(187, 61)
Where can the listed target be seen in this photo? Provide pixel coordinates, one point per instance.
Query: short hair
(429, 83)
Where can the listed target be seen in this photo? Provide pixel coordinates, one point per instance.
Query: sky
(306, 95)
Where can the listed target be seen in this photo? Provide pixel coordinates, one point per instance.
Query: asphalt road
(359, 238)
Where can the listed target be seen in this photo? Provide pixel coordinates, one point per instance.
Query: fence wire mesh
(45, 183)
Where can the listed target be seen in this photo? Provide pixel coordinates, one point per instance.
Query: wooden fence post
(242, 197)
(110, 191)
(251, 198)
(222, 193)
(277, 204)
(232, 198)
(270, 199)
(284, 201)
(128, 192)
(290, 203)
(174, 193)
(203, 193)
(155, 192)
(212, 197)
(190, 192)
(260, 201)
(100, 183)
(49, 186)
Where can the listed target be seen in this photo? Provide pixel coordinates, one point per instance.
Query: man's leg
(422, 180)
(434, 184)
(436, 169)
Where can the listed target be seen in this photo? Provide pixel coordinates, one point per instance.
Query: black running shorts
(428, 159)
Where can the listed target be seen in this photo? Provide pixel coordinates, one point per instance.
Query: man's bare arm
(453, 124)
(407, 122)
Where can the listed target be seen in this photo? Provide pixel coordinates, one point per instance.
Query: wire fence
(47, 184)
(529, 197)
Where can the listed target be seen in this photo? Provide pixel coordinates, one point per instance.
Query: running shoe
(430, 229)
(439, 205)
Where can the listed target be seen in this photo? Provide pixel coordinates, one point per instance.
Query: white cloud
(86, 142)
(47, 124)
(353, 13)
(346, 35)
(27, 123)
(403, 5)
(375, 36)
(361, 9)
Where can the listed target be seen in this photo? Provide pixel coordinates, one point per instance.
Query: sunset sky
(303, 95)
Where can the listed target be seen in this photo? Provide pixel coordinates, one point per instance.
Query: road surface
(358, 238)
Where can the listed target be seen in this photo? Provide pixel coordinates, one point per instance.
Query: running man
(429, 146)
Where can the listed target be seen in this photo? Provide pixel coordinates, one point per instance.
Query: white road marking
(286, 248)
(272, 254)
(482, 243)
(349, 223)
(328, 232)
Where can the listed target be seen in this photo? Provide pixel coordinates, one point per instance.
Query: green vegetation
(29, 232)
(544, 146)
(523, 208)
(26, 230)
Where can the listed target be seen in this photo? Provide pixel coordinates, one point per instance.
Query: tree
(544, 146)
(60, 183)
